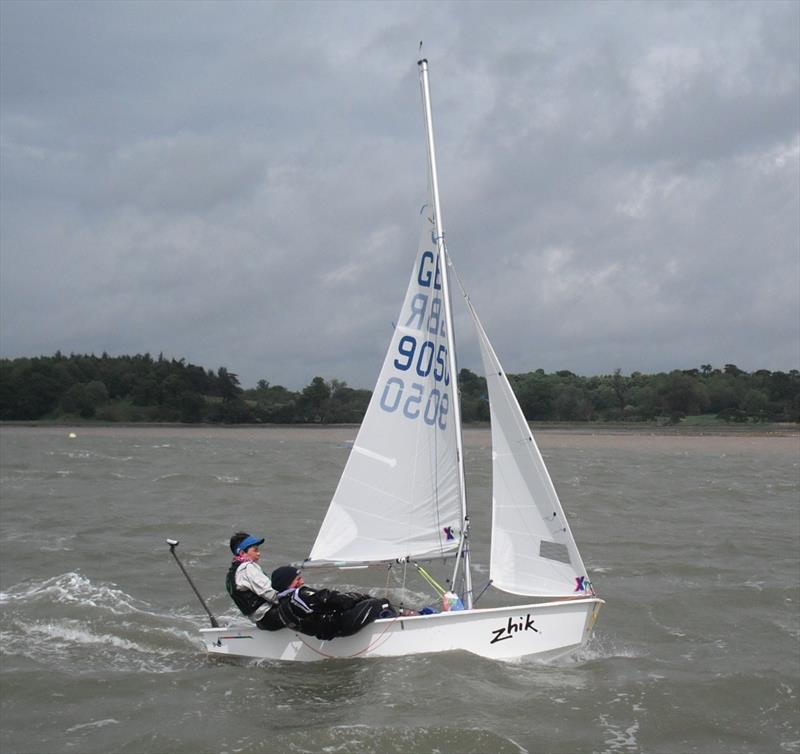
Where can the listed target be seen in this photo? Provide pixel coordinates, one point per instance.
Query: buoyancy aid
(248, 602)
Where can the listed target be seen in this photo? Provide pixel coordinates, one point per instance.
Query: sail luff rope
(436, 440)
(463, 552)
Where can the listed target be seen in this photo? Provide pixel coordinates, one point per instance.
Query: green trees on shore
(141, 388)
(729, 394)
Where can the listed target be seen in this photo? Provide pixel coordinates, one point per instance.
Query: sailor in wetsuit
(324, 613)
(249, 586)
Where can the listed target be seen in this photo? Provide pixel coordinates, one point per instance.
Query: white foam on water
(105, 605)
(93, 724)
(791, 627)
(364, 739)
(597, 648)
(75, 632)
(76, 647)
(79, 454)
(622, 739)
(24, 535)
(79, 645)
(75, 589)
(87, 455)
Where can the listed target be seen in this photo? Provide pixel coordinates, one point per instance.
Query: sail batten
(392, 462)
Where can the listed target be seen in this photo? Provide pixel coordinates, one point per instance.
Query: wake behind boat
(402, 496)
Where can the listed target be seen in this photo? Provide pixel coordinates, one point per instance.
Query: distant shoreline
(577, 428)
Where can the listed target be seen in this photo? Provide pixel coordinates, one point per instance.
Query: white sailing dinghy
(402, 497)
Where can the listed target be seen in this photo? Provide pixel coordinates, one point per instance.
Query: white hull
(546, 629)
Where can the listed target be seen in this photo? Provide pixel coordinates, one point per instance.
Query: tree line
(142, 388)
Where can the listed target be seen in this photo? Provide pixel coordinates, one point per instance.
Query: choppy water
(693, 542)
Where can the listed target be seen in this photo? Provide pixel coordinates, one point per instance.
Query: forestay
(532, 551)
(399, 493)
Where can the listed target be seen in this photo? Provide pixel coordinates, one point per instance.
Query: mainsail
(533, 551)
(399, 493)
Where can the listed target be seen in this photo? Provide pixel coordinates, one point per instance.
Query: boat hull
(545, 629)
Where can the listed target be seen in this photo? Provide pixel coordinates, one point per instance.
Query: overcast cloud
(239, 184)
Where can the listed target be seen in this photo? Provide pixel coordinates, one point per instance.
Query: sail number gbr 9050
(418, 389)
(411, 397)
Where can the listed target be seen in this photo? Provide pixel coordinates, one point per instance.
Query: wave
(361, 738)
(601, 647)
(87, 455)
(94, 724)
(195, 479)
(72, 624)
(227, 479)
(563, 672)
(76, 647)
(174, 475)
(76, 589)
(621, 739)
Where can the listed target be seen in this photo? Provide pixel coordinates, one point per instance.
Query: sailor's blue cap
(249, 542)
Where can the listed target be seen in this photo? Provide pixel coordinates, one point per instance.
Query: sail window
(553, 551)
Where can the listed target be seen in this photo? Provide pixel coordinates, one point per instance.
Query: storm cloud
(239, 184)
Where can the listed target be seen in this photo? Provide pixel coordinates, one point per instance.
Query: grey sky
(239, 184)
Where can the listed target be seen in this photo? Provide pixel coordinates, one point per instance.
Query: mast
(463, 550)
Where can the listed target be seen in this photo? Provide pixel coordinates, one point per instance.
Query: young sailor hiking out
(324, 613)
(249, 587)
